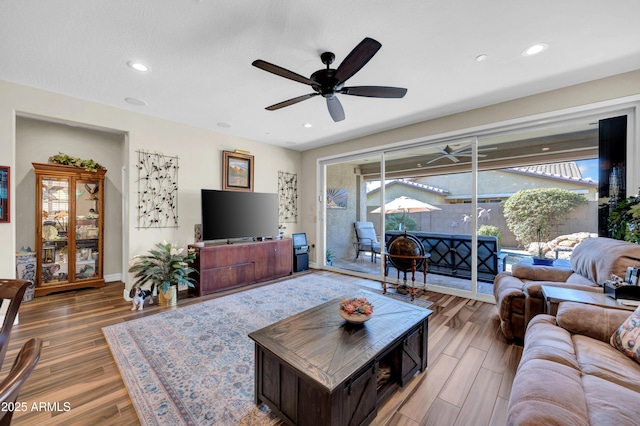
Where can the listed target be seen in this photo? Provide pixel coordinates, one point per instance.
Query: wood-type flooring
(468, 380)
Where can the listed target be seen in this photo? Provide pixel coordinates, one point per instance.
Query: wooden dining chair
(11, 293)
(22, 368)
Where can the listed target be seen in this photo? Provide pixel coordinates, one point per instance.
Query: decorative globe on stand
(405, 245)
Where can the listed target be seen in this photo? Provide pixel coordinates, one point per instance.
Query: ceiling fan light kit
(329, 82)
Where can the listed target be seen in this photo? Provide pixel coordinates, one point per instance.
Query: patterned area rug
(195, 365)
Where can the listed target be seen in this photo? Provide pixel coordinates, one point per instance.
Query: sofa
(570, 373)
(518, 293)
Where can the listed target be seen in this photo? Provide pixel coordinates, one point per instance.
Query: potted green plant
(165, 267)
(623, 222)
(67, 160)
(533, 214)
(330, 255)
(543, 235)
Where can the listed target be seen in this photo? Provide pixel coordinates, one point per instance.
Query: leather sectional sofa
(519, 293)
(570, 374)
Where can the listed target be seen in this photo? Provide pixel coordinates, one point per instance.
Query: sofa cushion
(590, 320)
(540, 273)
(626, 338)
(579, 279)
(547, 393)
(610, 403)
(544, 340)
(598, 258)
(599, 359)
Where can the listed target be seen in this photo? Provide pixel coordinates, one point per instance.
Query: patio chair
(367, 239)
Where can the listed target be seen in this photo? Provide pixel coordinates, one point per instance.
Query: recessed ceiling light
(138, 66)
(546, 148)
(135, 101)
(535, 49)
(224, 125)
(307, 125)
(481, 58)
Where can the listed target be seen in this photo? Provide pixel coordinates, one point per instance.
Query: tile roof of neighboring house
(568, 171)
(406, 182)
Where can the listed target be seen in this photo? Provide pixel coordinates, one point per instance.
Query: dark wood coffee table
(315, 369)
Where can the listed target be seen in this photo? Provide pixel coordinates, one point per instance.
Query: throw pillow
(626, 338)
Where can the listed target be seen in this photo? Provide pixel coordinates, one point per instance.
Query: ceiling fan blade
(375, 91)
(446, 155)
(291, 101)
(357, 59)
(335, 108)
(282, 72)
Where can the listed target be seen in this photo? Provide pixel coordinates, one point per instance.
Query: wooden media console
(224, 266)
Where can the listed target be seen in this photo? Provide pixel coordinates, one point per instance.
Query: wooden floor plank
(478, 406)
(424, 396)
(76, 366)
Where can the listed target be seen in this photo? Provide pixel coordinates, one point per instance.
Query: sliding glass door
(352, 240)
(452, 196)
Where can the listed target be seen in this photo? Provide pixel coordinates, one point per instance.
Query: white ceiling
(200, 53)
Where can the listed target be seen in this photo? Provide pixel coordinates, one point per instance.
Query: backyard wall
(451, 220)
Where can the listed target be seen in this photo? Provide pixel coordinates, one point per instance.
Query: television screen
(230, 214)
(299, 240)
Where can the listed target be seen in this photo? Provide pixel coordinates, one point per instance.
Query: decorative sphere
(405, 245)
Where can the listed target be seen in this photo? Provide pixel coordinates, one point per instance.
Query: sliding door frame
(629, 106)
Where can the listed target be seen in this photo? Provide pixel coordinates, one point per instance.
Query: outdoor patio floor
(363, 264)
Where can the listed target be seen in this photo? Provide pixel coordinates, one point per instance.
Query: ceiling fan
(452, 154)
(329, 82)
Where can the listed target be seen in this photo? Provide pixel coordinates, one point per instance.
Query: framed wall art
(237, 171)
(157, 190)
(337, 198)
(4, 193)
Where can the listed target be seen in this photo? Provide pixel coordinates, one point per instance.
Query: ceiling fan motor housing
(326, 82)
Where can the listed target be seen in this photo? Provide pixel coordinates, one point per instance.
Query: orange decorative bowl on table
(356, 310)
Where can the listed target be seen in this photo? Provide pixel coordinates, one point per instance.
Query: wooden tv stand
(224, 266)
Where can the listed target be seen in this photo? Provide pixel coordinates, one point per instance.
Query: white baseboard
(112, 277)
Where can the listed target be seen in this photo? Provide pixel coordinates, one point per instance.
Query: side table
(554, 295)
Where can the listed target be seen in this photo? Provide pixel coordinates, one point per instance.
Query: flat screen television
(238, 215)
(299, 240)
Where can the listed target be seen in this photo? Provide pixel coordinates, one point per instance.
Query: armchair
(367, 239)
(519, 293)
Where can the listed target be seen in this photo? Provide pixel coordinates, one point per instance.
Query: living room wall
(623, 89)
(199, 151)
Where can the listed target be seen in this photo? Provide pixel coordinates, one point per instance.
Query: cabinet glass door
(55, 220)
(87, 230)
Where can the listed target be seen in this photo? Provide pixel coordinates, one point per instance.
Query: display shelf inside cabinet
(69, 228)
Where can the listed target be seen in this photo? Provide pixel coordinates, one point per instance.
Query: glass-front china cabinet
(69, 228)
